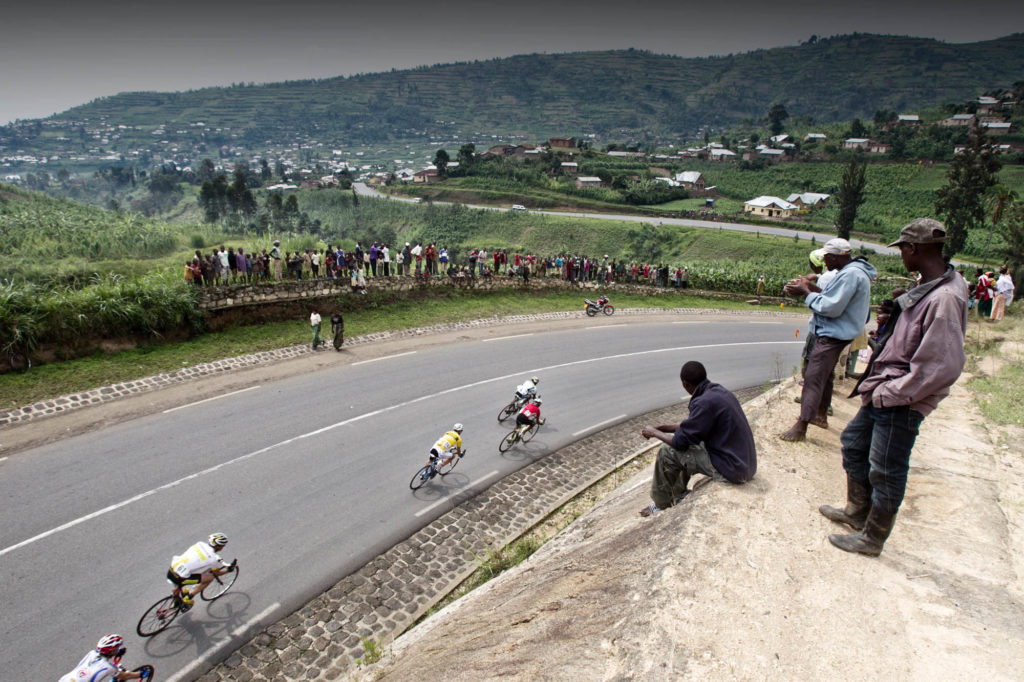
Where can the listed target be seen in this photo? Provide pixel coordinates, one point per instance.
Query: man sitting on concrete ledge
(715, 440)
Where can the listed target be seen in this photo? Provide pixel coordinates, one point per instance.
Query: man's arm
(662, 433)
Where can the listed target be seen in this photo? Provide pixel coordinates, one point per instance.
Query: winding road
(308, 475)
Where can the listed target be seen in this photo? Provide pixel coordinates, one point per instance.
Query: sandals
(650, 510)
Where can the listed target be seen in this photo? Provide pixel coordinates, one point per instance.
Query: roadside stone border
(322, 640)
(104, 394)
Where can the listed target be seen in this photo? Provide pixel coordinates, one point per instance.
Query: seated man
(197, 566)
(715, 440)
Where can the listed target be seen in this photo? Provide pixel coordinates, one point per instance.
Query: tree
(851, 196)
(467, 155)
(265, 172)
(776, 115)
(857, 129)
(960, 202)
(441, 160)
(207, 171)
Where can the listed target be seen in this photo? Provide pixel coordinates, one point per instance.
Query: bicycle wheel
(145, 668)
(220, 585)
(447, 468)
(158, 616)
(507, 411)
(421, 477)
(530, 433)
(609, 309)
(508, 441)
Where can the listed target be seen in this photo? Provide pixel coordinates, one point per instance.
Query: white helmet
(537, 401)
(457, 427)
(218, 540)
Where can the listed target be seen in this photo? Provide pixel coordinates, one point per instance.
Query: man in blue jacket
(840, 313)
(715, 440)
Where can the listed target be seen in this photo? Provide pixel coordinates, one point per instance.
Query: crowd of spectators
(228, 266)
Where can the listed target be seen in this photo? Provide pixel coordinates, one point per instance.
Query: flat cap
(837, 247)
(922, 231)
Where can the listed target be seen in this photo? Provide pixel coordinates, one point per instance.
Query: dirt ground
(740, 582)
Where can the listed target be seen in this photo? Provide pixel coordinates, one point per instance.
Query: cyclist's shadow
(205, 628)
(441, 487)
(530, 452)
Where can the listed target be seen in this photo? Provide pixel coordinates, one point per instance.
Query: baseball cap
(922, 231)
(837, 247)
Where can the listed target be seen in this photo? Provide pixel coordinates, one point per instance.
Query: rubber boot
(870, 540)
(851, 366)
(858, 503)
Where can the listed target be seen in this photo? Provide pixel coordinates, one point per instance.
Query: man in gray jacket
(909, 373)
(840, 313)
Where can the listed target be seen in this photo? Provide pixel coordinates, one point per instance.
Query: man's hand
(799, 287)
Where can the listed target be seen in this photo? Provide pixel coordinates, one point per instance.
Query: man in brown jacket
(909, 373)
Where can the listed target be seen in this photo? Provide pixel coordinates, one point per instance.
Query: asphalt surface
(308, 476)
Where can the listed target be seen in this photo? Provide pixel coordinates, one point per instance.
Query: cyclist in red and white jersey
(101, 663)
(530, 414)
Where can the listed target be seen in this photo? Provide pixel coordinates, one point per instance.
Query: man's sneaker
(650, 510)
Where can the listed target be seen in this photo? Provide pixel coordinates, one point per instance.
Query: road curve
(308, 475)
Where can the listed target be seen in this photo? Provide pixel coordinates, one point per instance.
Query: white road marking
(367, 415)
(606, 326)
(599, 424)
(692, 322)
(386, 357)
(427, 510)
(769, 322)
(514, 336)
(184, 672)
(216, 397)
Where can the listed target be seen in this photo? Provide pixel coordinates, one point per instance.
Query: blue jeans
(876, 448)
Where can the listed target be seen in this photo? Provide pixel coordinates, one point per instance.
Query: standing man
(385, 259)
(275, 256)
(1004, 294)
(314, 323)
(983, 293)
(840, 313)
(225, 265)
(715, 440)
(910, 372)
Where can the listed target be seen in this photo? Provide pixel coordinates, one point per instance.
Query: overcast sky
(55, 55)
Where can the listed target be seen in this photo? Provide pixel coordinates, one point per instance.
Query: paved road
(366, 190)
(308, 476)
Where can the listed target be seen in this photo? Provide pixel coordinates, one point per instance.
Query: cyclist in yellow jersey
(447, 446)
(198, 565)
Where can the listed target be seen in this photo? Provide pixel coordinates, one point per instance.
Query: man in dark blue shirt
(715, 440)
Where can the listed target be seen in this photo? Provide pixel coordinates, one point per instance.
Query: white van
(518, 207)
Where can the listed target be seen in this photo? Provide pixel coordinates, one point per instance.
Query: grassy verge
(47, 381)
(996, 352)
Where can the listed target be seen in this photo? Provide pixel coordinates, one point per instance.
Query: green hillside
(612, 95)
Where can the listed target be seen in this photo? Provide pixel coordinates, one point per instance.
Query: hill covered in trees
(611, 95)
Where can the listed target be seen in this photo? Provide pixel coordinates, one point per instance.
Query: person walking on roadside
(314, 323)
(714, 440)
(840, 313)
(983, 293)
(918, 357)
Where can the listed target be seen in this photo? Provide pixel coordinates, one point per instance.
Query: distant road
(366, 190)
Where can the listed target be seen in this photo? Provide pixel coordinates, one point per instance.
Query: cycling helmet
(110, 645)
(218, 540)
(535, 379)
(457, 427)
(537, 401)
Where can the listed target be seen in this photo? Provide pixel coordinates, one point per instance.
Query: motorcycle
(594, 307)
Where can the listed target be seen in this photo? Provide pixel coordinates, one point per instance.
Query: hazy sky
(54, 55)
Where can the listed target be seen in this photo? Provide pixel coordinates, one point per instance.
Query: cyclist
(528, 389)
(447, 446)
(198, 565)
(101, 663)
(530, 414)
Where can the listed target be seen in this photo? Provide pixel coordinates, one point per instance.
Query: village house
(986, 105)
(772, 155)
(691, 180)
(807, 200)
(770, 207)
(866, 145)
(721, 155)
(957, 120)
(570, 168)
(427, 176)
(908, 119)
(815, 137)
(563, 143)
(996, 127)
(588, 181)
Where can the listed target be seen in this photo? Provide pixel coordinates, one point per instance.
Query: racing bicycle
(513, 407)
(161, 614)
(434, 468)
(522, 432)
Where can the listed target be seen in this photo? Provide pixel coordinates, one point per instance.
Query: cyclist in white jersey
(199, 563)
(528, 389)
(100, 664)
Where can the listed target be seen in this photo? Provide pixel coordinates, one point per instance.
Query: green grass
(1001, 393)
(50, 380)
(722, 205)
